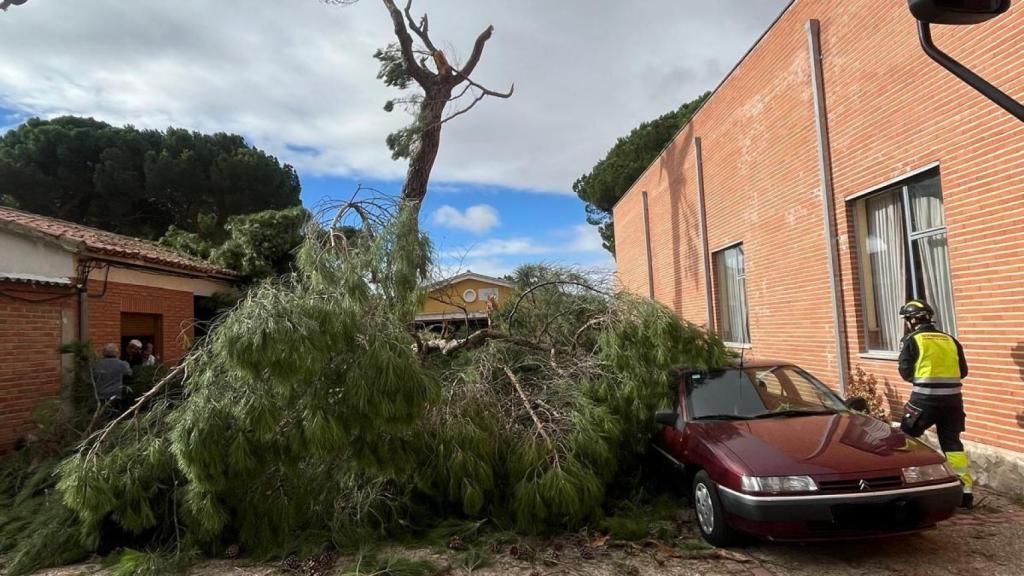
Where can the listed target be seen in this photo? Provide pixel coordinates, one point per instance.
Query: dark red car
(770, 451)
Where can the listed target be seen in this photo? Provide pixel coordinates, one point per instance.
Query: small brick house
(833, 174)
(61, 282)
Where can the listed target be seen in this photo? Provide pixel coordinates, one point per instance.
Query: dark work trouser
(946, 413)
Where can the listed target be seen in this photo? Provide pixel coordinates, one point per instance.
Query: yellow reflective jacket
(933, 361)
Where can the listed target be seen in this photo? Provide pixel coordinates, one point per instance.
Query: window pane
(885, 247)
(931, 256)
(732, 298)
(926, 205)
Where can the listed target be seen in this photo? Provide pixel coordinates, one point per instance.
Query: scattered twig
(590, 324)
(536, 421)
(515, 308)
(102, 434)
(477, 339)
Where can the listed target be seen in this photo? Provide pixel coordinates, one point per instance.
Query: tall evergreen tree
(139, 182)
(612, 176)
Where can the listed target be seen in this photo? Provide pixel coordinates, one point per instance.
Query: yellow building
(465, 299)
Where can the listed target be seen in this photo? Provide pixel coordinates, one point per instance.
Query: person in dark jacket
(108, 374)
(934, 363)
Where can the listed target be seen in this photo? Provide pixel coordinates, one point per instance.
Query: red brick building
(810, 196)
(61, 282)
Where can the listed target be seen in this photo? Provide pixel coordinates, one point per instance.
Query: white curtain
(932, 252)
(732, 297)
(926, 205)
(933, 260)
(885, 253)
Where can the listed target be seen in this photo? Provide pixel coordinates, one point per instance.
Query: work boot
(967, 502)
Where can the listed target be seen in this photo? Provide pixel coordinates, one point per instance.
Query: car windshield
(763, 392)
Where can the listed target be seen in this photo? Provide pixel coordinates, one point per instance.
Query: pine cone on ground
(291, 563)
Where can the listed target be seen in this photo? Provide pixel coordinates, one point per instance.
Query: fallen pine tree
(314, 415)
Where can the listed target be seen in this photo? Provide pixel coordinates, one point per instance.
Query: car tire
(709, 512)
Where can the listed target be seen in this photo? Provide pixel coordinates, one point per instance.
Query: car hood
(818, 444)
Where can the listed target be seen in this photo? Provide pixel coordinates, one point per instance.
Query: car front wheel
(710, 513)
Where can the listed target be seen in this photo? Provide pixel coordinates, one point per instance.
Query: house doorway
(146, 328)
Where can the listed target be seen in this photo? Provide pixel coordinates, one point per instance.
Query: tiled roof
(34, 279)
(470, 275)
(101, 242)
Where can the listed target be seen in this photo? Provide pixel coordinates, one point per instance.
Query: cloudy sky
(297, 78)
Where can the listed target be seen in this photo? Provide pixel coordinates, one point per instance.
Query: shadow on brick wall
(895, 400)
(1018, 359)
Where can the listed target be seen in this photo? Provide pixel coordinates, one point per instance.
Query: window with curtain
(731, 290)
(901, 235)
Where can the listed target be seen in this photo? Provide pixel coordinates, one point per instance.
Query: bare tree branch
(479, 338)
(484, 89)
(5, 4)
(102, 434)
(533, 415)
(418, 73)
(515, 308)
(590, 324)
(472, 104)
(423, 30)
(478, 51)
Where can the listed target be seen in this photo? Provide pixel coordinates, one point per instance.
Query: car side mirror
(857, 404)
(957, 12)
(666, 417)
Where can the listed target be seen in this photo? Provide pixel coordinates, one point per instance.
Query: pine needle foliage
(313, 415)
(36, 529)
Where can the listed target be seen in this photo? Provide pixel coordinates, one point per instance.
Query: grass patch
(654, 518)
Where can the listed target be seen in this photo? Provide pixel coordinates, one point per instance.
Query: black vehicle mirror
(957, 12)
(666, 417)
(857, 404)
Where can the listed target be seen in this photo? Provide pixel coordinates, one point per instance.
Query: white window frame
(858, 204)
(720, 299)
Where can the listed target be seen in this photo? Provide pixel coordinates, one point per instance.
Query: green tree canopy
(139, 182)
(611, 177)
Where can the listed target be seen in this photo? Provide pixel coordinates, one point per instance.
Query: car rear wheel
(710, 513)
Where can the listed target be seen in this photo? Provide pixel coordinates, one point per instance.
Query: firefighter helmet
(918, 309)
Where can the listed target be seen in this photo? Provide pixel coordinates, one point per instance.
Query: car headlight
(778, 484)
(930, 473)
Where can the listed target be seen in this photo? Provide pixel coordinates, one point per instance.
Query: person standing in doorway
(134, 353)
(148, 357)
(934, 363)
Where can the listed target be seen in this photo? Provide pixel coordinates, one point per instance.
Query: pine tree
(314, 415)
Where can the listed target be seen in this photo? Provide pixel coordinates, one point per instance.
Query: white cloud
(500, 247)
(299, 80)
(478, 219)
(488, 266)
(585, 238)
(576, 241)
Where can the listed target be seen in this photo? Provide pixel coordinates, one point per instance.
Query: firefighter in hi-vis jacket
(934, 363)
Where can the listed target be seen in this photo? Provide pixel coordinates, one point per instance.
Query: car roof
(761, 363)
(735, 364)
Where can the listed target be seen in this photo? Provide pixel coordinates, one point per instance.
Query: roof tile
(108, 243)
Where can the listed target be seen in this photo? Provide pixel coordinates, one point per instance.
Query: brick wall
(30, 332)
(31, 325)
(175, 307)
(890, 111)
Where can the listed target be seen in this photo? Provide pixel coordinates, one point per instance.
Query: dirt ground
(988, 541)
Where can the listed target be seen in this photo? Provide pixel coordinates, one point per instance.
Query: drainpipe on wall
(825, 165)
(647, 241)
(83, 314)
(702, 216)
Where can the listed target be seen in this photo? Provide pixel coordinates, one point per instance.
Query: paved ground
(988, 541)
